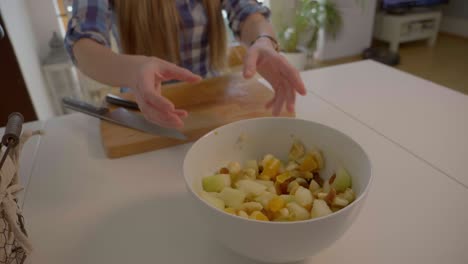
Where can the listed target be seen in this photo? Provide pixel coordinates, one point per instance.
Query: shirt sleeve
(239, 10)
(90, 19)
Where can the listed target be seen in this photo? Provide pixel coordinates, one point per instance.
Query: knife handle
(84, 107)
(116, 100)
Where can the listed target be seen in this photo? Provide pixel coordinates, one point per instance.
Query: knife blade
(123, 117)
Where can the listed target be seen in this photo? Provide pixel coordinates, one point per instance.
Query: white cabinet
(396, 29)
(356, 32)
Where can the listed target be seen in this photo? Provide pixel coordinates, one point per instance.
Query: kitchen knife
(117, 100)
(123, 117)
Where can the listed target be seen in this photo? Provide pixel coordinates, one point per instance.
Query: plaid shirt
(95, 19)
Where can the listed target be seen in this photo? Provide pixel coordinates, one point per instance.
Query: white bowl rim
(348, 207)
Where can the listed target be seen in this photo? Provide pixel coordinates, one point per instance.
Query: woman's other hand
(147, 88)
(261, 57)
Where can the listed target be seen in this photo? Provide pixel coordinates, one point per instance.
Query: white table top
(427, 119)
(28, 156)
(84, 208)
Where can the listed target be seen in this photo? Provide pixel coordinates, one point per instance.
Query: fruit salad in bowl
(277, 189)
(272, 190)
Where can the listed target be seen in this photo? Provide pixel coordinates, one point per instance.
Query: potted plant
(299, 39)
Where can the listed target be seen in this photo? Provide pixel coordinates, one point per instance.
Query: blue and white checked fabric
(95, 19)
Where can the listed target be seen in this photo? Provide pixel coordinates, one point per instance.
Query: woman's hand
(147, 88)
(285, 79)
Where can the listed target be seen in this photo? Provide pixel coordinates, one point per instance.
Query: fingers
(150, 94)
(173, 72)
(279, 102)
(250, 63)
(166, 119)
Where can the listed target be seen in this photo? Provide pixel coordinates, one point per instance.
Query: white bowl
(277, 242)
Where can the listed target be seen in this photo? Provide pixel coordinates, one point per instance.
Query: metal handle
(13, 129)
(84, 107)
(116, 100)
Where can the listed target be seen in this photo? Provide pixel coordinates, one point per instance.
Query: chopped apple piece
(320, 208)
(252, 164)
(216, 183)
(250, 188)
(230, 210)
(287, 198)
(212, 200)
(340, 202)
(297, 151)
(348, 195)
(234, 168)
(265, 198)
(342, 180)
(242, 214)
(251, 206)
(313, 186)
(232, 197)
(303, 197)
(298, 212)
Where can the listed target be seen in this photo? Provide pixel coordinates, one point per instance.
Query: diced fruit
(302, 182)
(234, 168)
(332, 179)
(284, 212)
(230, 210)
(342, 180)
(292, 165)
(257, 215)
(287, 198)
(266, 159)
(320, 208)
(265, 198)
(216, 183)
(249, 174)
(330, 196)
(340, 202)
(242, 214)
(251, 206)
(276, 204)
(348, 195)
(313, 186)
(306, 175)
(326, 187)
(303, 197)
(269, 184)
(297, 212)
(212, 200)
(250, 188)
(232, 197)
(224, 171)
(308, 163)
(282, 188)
(283, 177)
(270, 169)
(322, 195)
(318, 158)
(297, 150)
(292, 187)
(318, 179)
(252, 164)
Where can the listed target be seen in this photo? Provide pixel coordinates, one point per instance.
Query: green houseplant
(300, 38)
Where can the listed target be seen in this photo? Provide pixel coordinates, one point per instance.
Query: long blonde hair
(151, 28)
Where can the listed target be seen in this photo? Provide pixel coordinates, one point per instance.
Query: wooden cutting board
(211, 103)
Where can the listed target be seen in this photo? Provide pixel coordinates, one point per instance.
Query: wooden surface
(210, 103)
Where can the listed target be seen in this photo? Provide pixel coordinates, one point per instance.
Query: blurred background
(36, 72)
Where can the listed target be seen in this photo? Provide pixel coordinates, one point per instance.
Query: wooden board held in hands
(211, 103)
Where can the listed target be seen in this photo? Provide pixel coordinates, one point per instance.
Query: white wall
(16, 18)
(355, 35)
(44, 21)
(455, 18)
